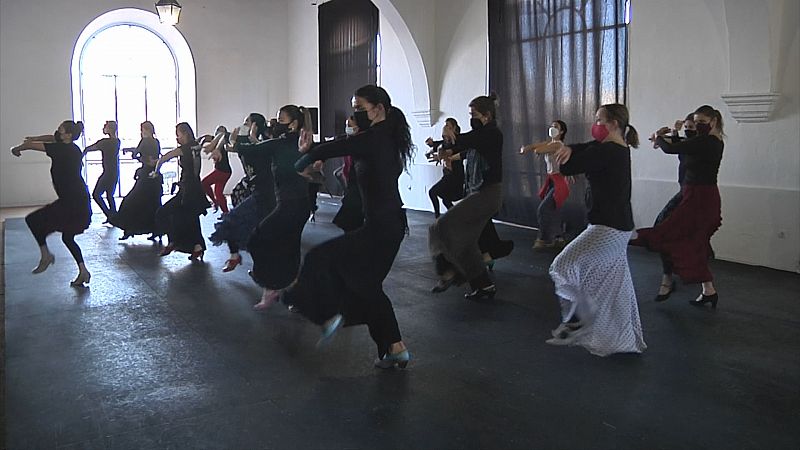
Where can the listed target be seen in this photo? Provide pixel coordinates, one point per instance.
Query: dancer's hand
(525, 149)
(306, 173)
(16, 151)
(305, 141)
(153, 174)
(678, 125)
(429, 142)
(563, 154)
(449, 135)
(216, 156)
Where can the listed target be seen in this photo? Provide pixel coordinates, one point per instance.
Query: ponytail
(707, 110)
(632, 137)
(75, 129)
(619, 113)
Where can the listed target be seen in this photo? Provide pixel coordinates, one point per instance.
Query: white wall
(36, 45)
(759, 177)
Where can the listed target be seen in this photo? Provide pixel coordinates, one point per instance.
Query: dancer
(137, 212)
(109, 148)
(71, 213)
(554, 190)
(179, 218)
(591, 275)
(342, 280)
(275, 243)
(236, 227)
(453, 238)
(246, 186)
(683, 237)
(221, 173)
(451, 187)
(351, 214)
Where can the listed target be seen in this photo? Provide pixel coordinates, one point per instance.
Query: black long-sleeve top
(488, 142)
(377, 165)
(699, 157)
(65, 170)
(607, 166)
(280, 154)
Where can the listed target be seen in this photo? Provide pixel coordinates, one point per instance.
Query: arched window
(128, 67)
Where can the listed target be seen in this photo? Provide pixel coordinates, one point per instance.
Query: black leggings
(444, 189)
(106, 185)
(40, 231)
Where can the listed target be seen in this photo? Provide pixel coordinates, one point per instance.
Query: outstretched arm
(41, 138)
(166, 157)
(28, 145)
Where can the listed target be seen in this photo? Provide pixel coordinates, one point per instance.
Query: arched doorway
(128, 67)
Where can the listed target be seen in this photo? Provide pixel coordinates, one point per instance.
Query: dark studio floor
(164, 353)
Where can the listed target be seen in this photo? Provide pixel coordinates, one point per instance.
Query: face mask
(279, 129)
(702, 128)
(349, 131)
(690, 133)
(475, 123)
(362, 120)
(244, 130)
(57, 136)
(553, 132)
(599, 132)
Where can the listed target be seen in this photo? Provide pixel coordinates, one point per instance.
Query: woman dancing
(450, 188)
(214, 183)
(341, 281)
(137, 212)
(71, 213)
(179, 218)
(109, 148)
(591, 275)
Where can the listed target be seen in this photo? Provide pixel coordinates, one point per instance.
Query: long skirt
(490, 242)
(179, 219)
(351, 214)
(593, 281)
(237, 226)
(345, 276)
(137, 212)
(684, 237)
(70, 216)
(454, 236)
(275, 244)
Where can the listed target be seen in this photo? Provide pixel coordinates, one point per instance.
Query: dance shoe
(44, 263)
(392, 360)
(83, 277)
(267, 300)
(477, 294)
(167, 250)
(703, 299)
(664, 297)
(329, 329)
(197, 255)
(231, 263)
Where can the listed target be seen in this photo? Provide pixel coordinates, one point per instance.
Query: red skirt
(685, 236)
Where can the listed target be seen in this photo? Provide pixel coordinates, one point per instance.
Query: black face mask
(279, 129)
(703, 128)
(475, 123)
(690, 133)
(57, 136)
(362, 120)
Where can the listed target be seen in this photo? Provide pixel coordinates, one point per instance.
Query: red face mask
(599, 132)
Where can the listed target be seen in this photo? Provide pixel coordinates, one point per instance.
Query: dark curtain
(548, 60)
(348, 56)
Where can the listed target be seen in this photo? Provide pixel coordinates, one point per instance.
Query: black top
(187, 161)
(281, 154)
(377, 164)
(456, 166)
(148, 147)
(224, 164)
(607, 166)
(65, 170)
(699, 157)
(488, 142)
(110, 150)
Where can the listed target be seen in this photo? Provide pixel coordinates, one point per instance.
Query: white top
(552, 165)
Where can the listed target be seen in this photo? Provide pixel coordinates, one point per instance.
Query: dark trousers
(106, 185)
(40, 228)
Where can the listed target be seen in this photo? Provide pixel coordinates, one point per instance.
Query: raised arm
(684, 147)
(28, 145)
(166, 157)
(355, 145)
(575, 159)
(41, 138)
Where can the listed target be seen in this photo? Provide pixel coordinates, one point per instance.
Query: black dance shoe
(664, 297)
(703, 299)
(477, 294)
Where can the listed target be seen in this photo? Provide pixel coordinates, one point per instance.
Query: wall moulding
(752, 107)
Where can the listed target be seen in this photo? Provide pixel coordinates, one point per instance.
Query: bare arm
(166, 157)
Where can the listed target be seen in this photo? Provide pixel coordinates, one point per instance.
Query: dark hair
(452, 121)
(185, 128)
(709, 111)
(112, 124)
(689, 117)
(486, 105)
(73, 128)
(149, 125)
(563, 126)
(261, 124)
(619, 112)
(299, 113)
(396, 120)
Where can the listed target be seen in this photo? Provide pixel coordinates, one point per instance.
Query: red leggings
(218, 180)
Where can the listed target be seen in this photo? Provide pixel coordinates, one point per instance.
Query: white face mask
(244, 130)
(349, 131)
(553, 132)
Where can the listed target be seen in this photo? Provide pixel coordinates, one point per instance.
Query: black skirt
(179, 219)
(351, 214)
(275, 244)
(137, 212)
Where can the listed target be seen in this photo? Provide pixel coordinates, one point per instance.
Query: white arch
(423, 112)
(184, 61)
